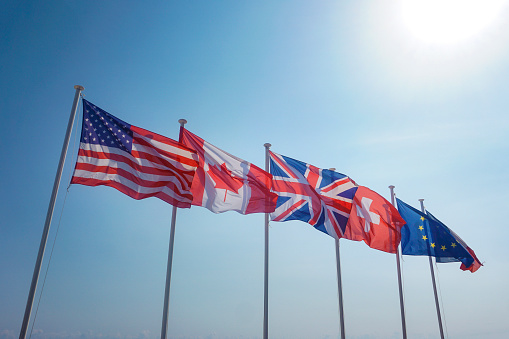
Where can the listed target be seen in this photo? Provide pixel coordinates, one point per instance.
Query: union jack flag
(320, 197)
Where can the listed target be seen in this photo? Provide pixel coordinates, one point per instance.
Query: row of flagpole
(400, 285)
(164, 328)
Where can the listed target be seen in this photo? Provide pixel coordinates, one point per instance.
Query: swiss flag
(224, 182)
(375, 221)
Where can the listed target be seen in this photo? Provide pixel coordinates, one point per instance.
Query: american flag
(135, 161)
(320, 197)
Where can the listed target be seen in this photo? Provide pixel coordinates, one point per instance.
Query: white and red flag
(224, 182)
(375, 221)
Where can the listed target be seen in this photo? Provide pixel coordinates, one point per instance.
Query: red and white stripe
(157, 166)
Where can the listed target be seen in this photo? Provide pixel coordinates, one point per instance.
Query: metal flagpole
(434, 284)
(164, 328)
(266, 266)
(401, 302)
(49, 215)
(340, 293)
(340, 287)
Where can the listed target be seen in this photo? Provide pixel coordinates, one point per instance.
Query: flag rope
(47, 267)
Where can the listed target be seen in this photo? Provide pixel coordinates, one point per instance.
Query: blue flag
(424, 234)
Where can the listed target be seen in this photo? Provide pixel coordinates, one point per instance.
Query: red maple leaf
(224, 179)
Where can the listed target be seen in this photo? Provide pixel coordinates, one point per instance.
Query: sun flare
(449, 21)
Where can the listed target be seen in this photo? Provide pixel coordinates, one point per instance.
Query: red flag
(224, 182)
(375, 221)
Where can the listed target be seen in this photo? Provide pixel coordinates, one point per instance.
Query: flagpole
(49, 214)
(266, 265)
(340, 287)
(340, 292)
(400, 285)
(164, 327)
(437, 305)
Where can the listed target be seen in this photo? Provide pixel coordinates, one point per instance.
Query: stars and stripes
(135, 161)
(320, 197)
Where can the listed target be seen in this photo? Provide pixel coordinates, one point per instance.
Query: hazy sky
(385, 93)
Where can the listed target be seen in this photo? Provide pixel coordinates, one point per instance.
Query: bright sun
(449, 21)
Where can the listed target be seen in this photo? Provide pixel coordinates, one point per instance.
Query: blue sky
(335, 84)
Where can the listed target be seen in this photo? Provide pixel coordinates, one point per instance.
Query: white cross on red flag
(375, 221)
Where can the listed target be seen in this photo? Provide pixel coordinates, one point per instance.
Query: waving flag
(135, 161)
(375, 221)
(332, 203)
(224, 182)
(320, 197)
(423, 234)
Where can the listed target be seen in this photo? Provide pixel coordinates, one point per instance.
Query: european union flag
(424, 234)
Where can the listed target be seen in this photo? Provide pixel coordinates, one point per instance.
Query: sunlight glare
(449, 21)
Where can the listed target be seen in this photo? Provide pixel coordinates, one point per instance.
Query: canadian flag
(224, 182)
(375, 221)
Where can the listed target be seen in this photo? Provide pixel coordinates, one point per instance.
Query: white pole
(49, 215)
(164, 328)
(340, 287)
(434, 284)
(266, 265)
(400, 284)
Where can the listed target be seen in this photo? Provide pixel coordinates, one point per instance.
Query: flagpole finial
(81, 88)
(393, 195)
(182, 122)
(422, 205)
(267, 145)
